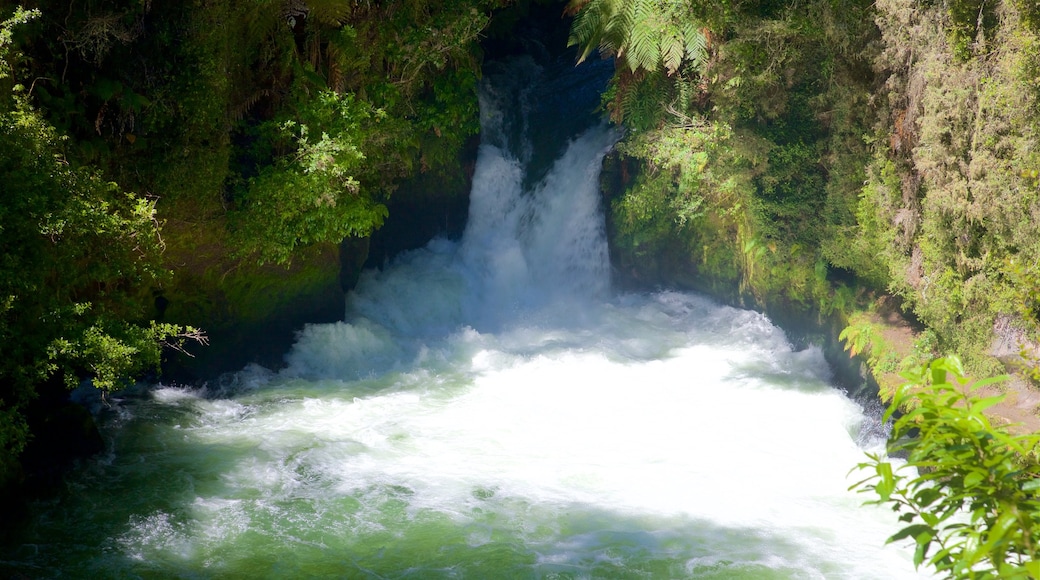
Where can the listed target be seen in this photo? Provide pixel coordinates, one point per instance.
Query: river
(489, 408)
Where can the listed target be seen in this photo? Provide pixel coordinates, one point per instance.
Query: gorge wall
(847, 160)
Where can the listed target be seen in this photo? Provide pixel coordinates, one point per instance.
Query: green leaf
(995, 535)
(924, 541)
(887, 484)
(910, 531)
(989, 381)
(983, 404)
(1031, 485)
(974, 478)
(926, 497)
(964, 466)
(930, 518)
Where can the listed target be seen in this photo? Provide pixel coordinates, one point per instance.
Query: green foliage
(80, 257)
(967, 493)
(643, 34)
(1026, 281)
(311, 194)
(7, 27)
(865, 336)
(872, 237)
(947, 195)
(447, 119)
(112, 352)
(860, 336)
(659, 50)
(969, 19)
(778, 181)
(78, 251)
(264, 131)
(892, 142)
(1030, 13)
(684, 191)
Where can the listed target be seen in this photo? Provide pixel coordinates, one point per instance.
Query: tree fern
(591, 25)
(696, 43)
(659, 49)
(673, 50)
(641, 34)
(331, 12)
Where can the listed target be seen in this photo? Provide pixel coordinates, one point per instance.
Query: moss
(881, 159)
(249, 311)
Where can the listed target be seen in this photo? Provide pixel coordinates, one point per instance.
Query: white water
(490, 409)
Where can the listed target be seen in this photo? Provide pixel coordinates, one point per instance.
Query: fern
(239, 111)
(672, 53)
(643, 34)
(331, 12)
(590, 26)
(659, 50)
(695, 40)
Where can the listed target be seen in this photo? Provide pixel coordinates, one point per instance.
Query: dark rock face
(353, 254)
(252, 315)
(422, 208)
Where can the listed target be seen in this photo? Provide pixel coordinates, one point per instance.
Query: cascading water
(488, 409)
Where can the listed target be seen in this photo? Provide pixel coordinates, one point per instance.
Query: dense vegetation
(805, 152)
(79, 256)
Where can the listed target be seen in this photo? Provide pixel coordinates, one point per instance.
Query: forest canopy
(809, 152)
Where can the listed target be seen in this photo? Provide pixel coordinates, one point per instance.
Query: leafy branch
(968, 490)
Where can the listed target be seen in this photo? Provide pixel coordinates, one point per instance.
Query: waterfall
(490, 408)
(532, 248)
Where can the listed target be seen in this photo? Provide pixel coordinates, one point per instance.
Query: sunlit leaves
(658, 46)
(20, 16)
(968, 490)
(644, 34)
(78, 254)
(311, 194)
(79, 260)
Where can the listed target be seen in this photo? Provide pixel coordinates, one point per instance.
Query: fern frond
(659, 51)
(587, 28)
(644, 36)
(641, 34)
(238, 112)
(261, 19)
(686, 92)
(340, 46)
(330, 11)
(673, 50)
(696, 43)
(337, 80)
